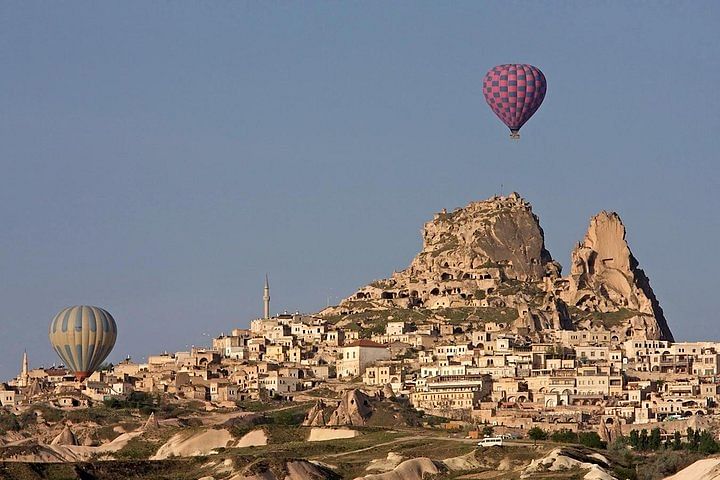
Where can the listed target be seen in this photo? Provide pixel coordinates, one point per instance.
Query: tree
(644, 440)
(689, 435)
(707, 444)
(635, 439)
(693, 439)
(654, 441)
(8, 422)
(677, 441)
(537, 433)
(487, 431)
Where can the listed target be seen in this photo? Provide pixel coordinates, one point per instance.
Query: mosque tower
(25, 372)
(266, 299)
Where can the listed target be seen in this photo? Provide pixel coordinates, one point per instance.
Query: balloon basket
(514, 135)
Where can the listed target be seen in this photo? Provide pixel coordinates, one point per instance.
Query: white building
(353, 358)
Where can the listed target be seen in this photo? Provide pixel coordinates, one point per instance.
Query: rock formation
(610, 428)
(197, 444)
(563, 459)
(489, 254)
(605, 277)
(151, 423)
(304, 470)
(66, 437)
(289, 470)
(705, 469)
(489, 258)
(387, 391)
(354, 409)
(316, 415)
(413, 469)
(501, 231)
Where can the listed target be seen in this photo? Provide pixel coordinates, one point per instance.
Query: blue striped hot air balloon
(83, 337)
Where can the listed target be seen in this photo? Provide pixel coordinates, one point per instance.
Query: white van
(491, 442)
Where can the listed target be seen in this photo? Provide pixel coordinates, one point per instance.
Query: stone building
(385, 373)
(463, 392)
(353, 358)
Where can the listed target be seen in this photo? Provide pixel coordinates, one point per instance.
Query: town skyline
(263, 305)
(481, 342)
(186, 133)
(370, 241)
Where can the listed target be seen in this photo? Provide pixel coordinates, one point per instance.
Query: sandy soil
(255, 438)
(323, 434)
(180, 445)
(220, 418)
(707, 469)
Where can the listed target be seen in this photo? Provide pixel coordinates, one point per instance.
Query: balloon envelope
(83, 336)
(514, 92)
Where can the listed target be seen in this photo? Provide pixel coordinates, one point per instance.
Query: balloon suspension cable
(515, 134)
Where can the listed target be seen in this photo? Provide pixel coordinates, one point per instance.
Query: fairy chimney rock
(316, 415)
(66, 437)
(354, 410)
(605, 277)
(151, 422)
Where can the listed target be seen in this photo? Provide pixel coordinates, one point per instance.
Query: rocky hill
(487, 262)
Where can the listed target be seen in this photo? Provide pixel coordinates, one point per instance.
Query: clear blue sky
(157, 158)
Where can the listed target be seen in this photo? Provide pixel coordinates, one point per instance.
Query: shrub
(106, 433)
(8, 422)
(564, 436)
(136, 449)
(537, 433)
(289, 417)
(591, 439)
(624, 472)
(92, 414)
(145, 402)
(661, 466)
(192, 422)
(619, 448)
(51, 414)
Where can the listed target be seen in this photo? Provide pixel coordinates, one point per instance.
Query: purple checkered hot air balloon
(514, 92)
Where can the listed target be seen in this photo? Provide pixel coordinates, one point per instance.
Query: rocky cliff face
(500, 232)
(488, 261)
(605, 278)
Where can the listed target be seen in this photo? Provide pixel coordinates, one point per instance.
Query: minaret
(24, 373)
(266, 299)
